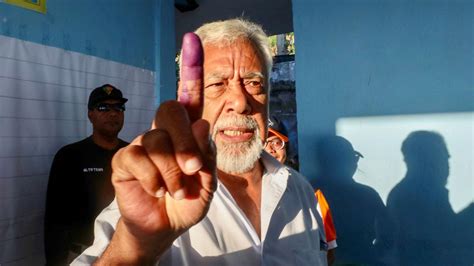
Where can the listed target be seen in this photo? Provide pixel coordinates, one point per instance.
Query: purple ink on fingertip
(184, 97)
(191, 57)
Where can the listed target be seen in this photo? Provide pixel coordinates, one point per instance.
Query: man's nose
(238, 100)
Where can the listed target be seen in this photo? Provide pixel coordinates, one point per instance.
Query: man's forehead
(240, 47)
(222, 63)
(225, 72)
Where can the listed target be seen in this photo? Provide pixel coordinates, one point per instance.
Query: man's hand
(164, 180)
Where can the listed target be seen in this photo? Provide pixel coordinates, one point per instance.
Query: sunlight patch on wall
(379, 139)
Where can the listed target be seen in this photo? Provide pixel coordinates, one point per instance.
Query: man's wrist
(130, 249)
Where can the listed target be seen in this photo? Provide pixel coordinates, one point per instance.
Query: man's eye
(215, 85)
(254, 87)
(218, 84)
(254, 83)
(214, 89)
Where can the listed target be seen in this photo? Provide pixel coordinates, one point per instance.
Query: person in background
(197, 189)
(276, 146)
(79, 185)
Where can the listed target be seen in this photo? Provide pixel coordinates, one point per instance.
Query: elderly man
(180, 199)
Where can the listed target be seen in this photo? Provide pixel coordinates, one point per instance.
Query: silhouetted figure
(427, 232)
(464, 252)
(359, 214)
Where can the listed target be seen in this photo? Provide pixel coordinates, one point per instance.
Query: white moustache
(246, 122)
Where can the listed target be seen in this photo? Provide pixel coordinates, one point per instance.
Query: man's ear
(89, 115)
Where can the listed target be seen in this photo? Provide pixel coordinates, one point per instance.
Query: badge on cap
(108, 90)
(270, 123)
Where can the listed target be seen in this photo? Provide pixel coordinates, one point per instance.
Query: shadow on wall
(363, 226)
(429, 232)
(418, 226)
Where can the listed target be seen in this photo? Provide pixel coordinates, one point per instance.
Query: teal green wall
(377, 68)
(121, 31)
(372, 58)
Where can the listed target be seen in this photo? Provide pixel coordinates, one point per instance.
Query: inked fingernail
(179, 194)
(160, 192)
(193, 165)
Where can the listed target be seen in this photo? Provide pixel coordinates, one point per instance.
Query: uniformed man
(80, 184)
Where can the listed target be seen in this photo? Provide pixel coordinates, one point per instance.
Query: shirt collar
(272, 165)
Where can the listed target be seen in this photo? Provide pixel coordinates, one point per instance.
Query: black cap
(105, 92)
(276, 127)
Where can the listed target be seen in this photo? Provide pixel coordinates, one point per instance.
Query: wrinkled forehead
(241, 47)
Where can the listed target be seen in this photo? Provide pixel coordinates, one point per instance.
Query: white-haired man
(184, 199)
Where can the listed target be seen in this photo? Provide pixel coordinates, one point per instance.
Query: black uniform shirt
(79, 188)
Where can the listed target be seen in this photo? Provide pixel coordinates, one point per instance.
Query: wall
(274, 16)
(165, 50)
(373, 72)
(88, 27)
(49, 63)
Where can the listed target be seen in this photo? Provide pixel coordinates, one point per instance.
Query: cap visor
(278, 134)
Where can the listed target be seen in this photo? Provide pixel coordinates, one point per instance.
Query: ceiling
(274, 15)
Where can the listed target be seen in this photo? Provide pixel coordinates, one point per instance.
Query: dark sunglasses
(105, 107)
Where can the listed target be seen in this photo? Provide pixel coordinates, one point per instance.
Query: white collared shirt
(289, 227)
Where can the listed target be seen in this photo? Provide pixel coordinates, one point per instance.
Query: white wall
(43, 98)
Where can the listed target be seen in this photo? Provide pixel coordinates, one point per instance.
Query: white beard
(238, 158)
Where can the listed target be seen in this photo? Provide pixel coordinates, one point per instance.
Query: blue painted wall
(363, 59)
(165, 51)
(379, 58)
(121, 31)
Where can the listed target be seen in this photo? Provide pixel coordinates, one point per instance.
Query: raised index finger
(190, 91)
